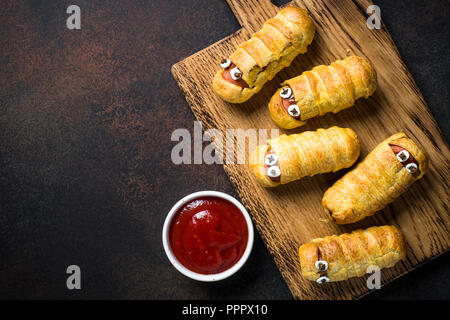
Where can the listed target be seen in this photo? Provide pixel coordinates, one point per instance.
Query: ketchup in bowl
(208, 235)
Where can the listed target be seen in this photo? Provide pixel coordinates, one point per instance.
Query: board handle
(252, 14)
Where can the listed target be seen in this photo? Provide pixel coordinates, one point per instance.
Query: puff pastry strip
(376, 181)
(323, 89)
(350, 254)
(306, 154)
(268, 51)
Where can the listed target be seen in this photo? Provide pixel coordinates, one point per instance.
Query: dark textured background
(85, 123)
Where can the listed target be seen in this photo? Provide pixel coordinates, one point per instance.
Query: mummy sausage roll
(292, 157)
(259, 59)
(376, 181)
(337, 258)
(323, 89)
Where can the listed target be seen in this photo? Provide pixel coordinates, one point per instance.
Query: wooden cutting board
(292, 214)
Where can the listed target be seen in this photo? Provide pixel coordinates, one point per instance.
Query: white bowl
(207, 277)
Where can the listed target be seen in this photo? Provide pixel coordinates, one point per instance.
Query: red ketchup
(208, 235)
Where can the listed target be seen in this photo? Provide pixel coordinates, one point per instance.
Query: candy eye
(270, 159)
(286, 93)
(294, 111)
(411, 167)
(323, 279)
(225, 64)
(321, 265)
(236, 74)
(403, 156)
(274, 172)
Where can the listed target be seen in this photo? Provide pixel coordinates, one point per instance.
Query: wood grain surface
(292, 214)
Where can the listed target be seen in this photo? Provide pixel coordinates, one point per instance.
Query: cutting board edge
(178, 75)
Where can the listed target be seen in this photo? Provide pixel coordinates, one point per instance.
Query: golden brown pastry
(291, 157)
(337, 258)
(376, 181)
(259, 59)
(323, 89)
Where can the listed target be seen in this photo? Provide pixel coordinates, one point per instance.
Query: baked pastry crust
(268, 51)
(375, 182)
(350, 254)
(325, 89)
(306, 154)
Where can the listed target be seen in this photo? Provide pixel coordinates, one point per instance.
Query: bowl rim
(216, 276)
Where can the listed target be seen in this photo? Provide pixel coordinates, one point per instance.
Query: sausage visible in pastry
(323, 89)
(260, 58)
(378, 180)
(337, 258)
(291, 157)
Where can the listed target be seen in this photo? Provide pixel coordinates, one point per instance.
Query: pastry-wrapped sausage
(291, 157)
(376, 181)
(337, 258)
(323, 89)
(259, 59)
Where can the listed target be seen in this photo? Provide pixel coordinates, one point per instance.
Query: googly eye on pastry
(274, 172)
(323, 279)
(403, 156)
(286, 93)
(294, 111)
(225, 64)
(321, 265)
(270, 159)
(411, 167)
(236, 74)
